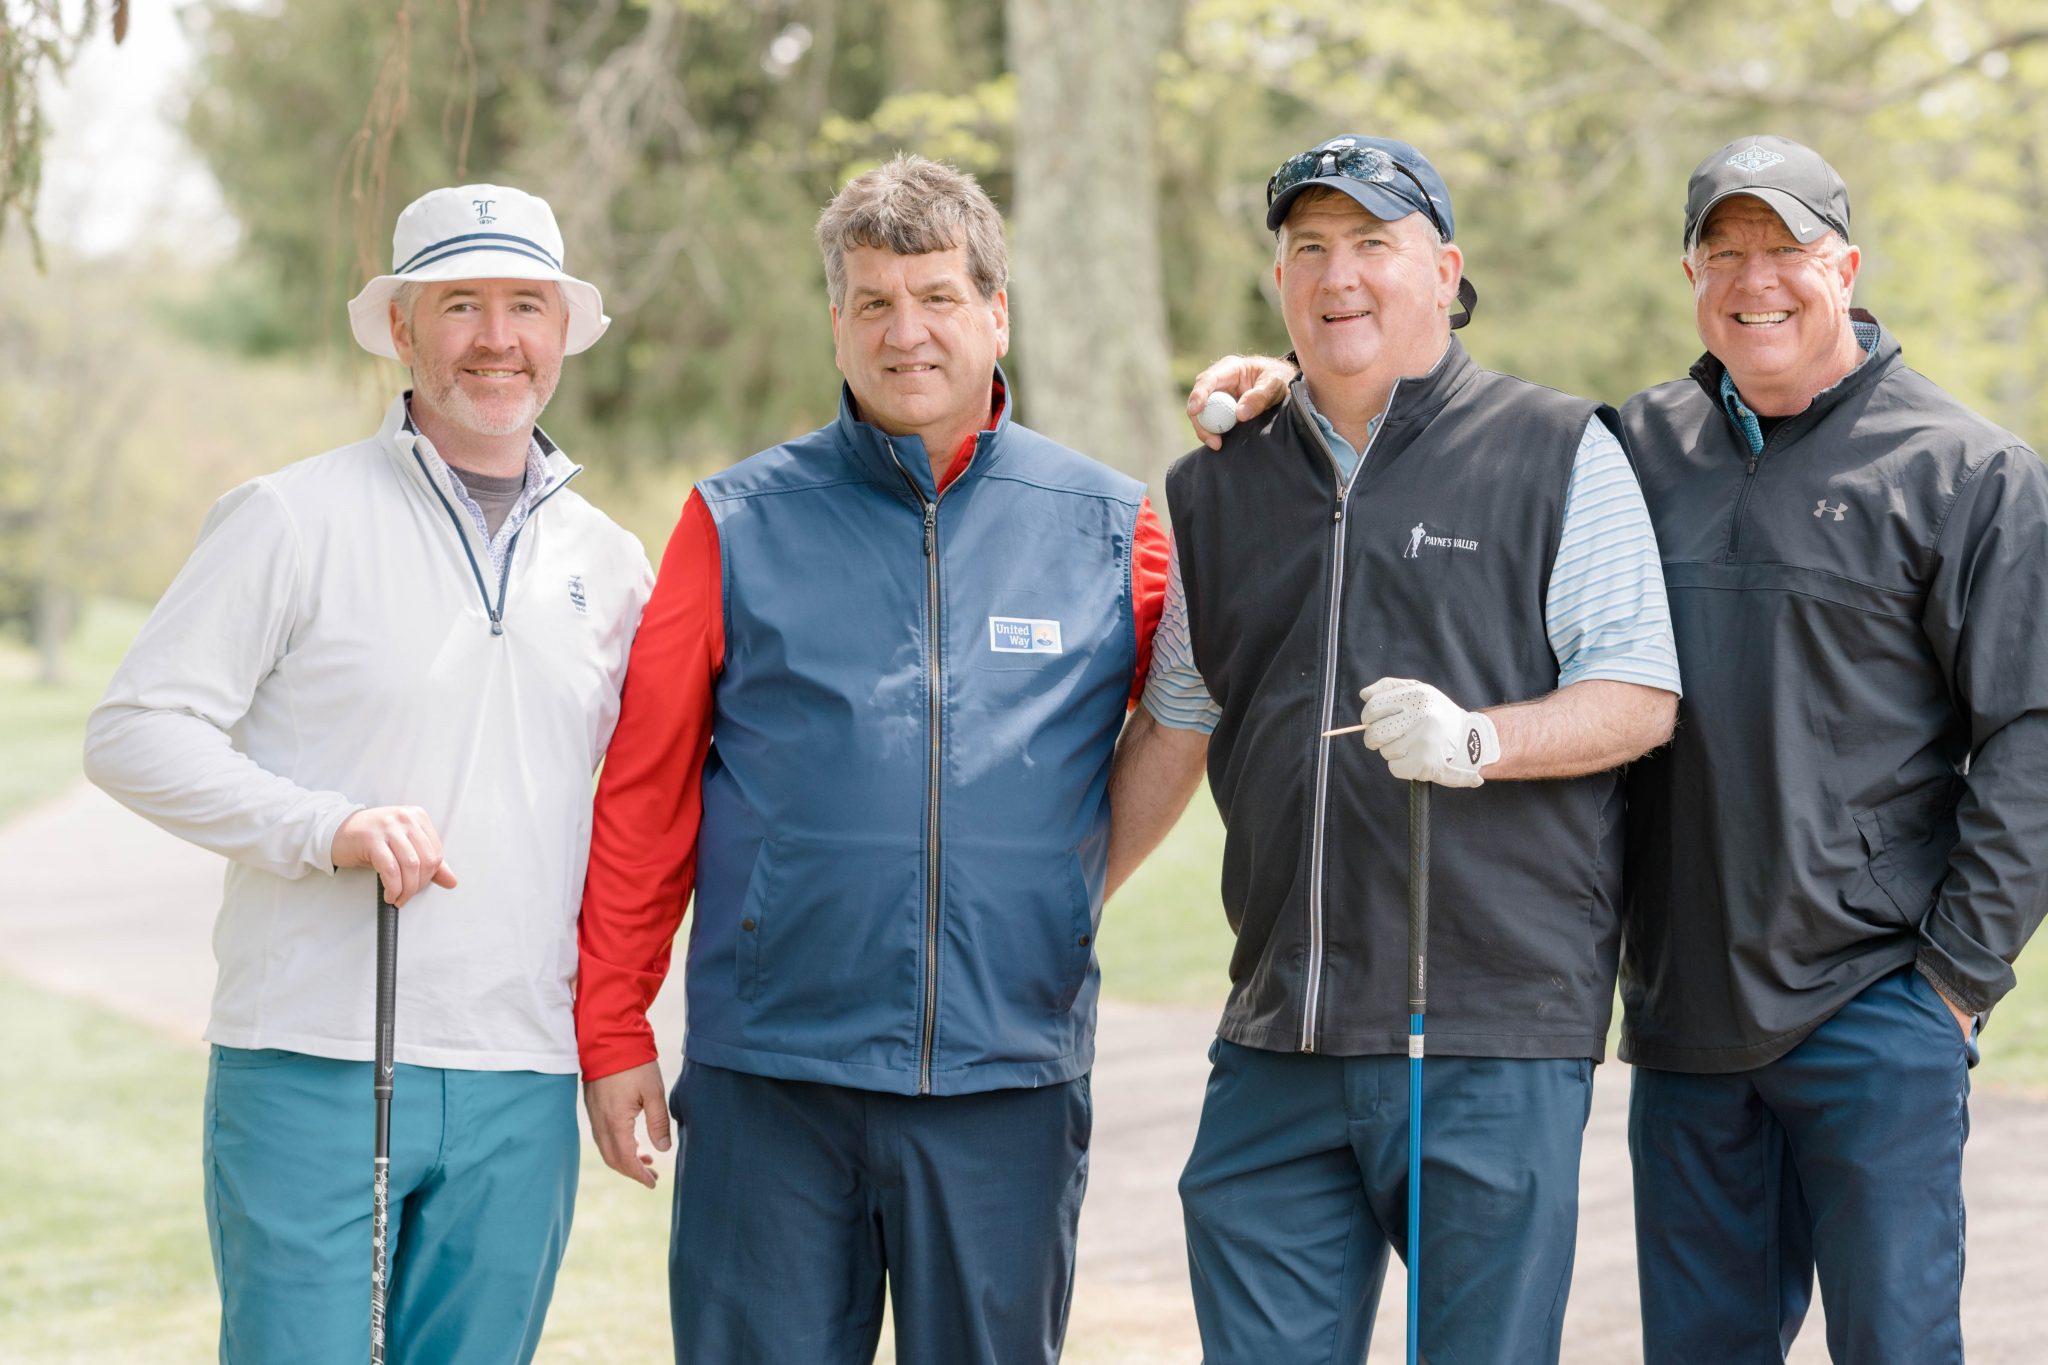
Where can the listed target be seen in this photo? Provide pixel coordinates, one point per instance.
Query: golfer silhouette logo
(1414, 549)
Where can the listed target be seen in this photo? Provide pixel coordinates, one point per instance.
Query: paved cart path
(99, 904)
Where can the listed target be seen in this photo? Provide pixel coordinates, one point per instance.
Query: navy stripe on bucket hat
(479, 241)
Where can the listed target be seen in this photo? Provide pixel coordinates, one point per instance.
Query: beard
(507, 414)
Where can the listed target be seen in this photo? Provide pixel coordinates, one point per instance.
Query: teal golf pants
(483, 1176)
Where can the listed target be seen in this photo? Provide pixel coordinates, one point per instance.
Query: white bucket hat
(475, 232)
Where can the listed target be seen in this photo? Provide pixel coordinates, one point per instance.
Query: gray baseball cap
(1800, 187)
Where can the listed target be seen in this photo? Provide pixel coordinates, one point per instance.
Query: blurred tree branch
(36, 44)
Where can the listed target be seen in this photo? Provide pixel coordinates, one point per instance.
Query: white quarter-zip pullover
(339, 640)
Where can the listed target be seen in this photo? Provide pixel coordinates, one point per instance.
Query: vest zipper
(1312, 992)
(927, 1032)
(496, 613)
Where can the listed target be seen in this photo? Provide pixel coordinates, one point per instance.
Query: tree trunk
(1087, 307)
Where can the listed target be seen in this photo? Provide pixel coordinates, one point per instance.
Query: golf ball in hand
(1219, 414)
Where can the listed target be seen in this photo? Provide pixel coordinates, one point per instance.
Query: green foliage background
(689, 143)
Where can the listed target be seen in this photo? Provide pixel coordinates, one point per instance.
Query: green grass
(42, 728)
(103, 1253)
(2015, 1044)
(102, 1237)
(1163, 937)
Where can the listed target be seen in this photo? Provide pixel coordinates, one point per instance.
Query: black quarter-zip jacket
(1859, 778)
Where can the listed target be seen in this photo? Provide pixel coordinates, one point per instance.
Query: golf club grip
(387, 1001)
(1418, 897)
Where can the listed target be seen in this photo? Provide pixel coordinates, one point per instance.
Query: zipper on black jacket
(1756, 458)
(928, 1028)
(1312, 987)
(497, 612)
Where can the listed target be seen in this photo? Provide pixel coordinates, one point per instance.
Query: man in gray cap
(390, 661)
(1835, 862)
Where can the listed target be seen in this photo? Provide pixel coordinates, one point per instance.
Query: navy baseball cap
(1800, 187)
(1388, 179)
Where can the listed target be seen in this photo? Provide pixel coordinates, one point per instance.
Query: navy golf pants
(1846, 1156)
(796, 1201)
(1298, 1187)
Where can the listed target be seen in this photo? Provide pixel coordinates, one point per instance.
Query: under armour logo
(1822, 507)
(483, 210)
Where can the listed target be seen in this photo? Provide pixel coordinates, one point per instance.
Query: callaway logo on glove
(1425, 736)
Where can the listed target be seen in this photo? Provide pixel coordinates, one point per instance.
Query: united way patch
(1023, 635)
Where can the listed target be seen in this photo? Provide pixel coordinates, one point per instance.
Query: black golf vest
(1433, 564)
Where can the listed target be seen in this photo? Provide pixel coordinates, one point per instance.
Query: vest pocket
(1022, 927)
(754, 912)
(1080, 945)
(1908, 840)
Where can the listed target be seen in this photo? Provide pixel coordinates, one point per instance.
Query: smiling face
(485, 354)
(1773, 310)
(917, 342)
(1365, 301)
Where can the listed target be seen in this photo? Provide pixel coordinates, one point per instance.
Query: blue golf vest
(906, 816)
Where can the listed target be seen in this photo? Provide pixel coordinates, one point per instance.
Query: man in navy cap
(1833, 866)
(1433, 537)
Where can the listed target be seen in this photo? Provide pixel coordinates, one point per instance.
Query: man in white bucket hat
(396, 660)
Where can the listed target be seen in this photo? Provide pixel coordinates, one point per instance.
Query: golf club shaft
(380, 1172)
(1418, 1007)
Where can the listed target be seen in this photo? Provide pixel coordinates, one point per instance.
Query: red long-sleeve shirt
(643, 846)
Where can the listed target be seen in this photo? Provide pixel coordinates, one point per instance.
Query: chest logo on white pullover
(576, 596)
(1023, 635)
(1821, 508)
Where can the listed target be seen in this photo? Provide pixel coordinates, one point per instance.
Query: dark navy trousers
(796, 1202)
(1298, 1187)
(1843, 1156)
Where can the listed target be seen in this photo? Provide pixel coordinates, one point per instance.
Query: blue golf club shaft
(1418, 1006)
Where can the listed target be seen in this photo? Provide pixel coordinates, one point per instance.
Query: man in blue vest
(1437, 537)
(1835, 863)
(869, 718)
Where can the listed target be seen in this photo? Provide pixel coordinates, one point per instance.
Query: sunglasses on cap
(1369, 164)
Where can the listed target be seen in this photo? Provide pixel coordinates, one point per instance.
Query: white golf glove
(1425, 736)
